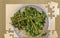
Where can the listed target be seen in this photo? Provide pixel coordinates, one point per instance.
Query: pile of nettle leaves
(30, 20)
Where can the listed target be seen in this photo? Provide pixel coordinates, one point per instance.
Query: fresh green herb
(30, 20)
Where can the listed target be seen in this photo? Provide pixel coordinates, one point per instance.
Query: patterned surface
(51, 19)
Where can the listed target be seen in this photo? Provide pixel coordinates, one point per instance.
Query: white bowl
(37, 6)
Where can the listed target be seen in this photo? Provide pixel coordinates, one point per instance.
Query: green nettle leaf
(30, 20)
